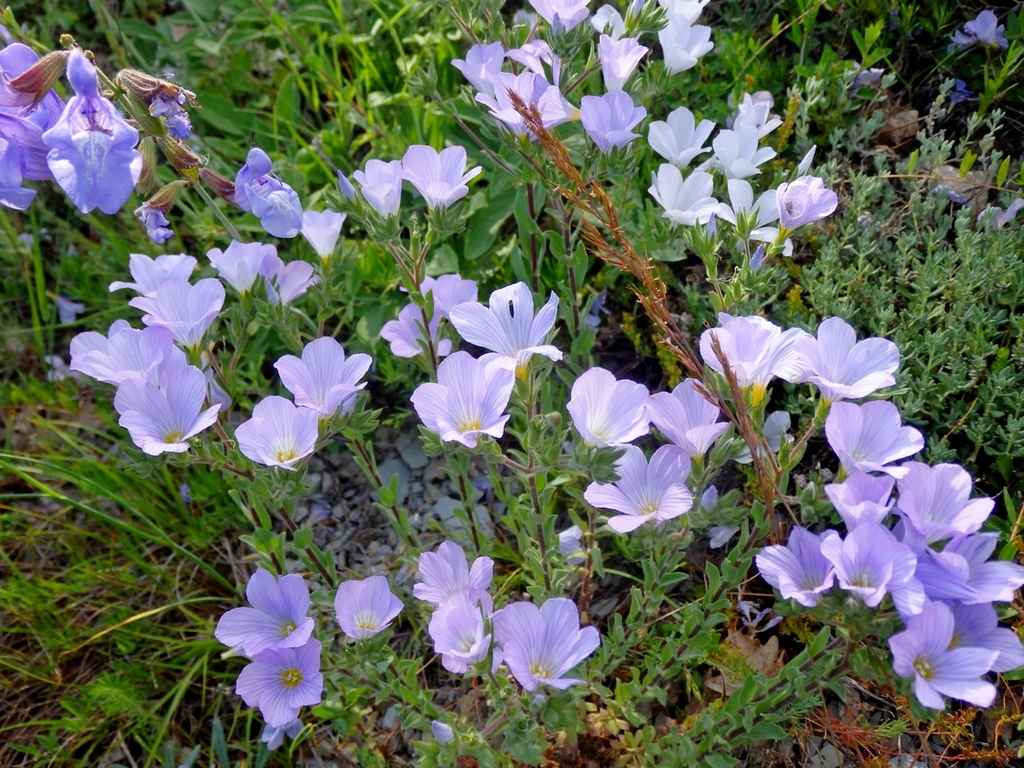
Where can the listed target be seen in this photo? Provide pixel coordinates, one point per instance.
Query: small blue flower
(156, 223)
(274, 203)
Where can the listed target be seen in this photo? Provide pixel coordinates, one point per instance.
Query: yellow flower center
(291, 677)
(470, 425)
(285, 454)
(173, 437)
(287, 628)
(539, 670)
(922, 667)
(649, 508)
(522, 369)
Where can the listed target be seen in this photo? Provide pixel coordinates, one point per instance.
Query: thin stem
(371, 470)
(468, 507)
(534, 255)
(293, 527)
(218, 212)
(531, 483)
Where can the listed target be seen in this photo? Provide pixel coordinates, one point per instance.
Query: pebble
(391, 718)
(390, 468)
(415, 457)
(822, 755)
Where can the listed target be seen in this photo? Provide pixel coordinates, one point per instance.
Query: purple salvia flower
(618, 60)
(149, 274)
(685, 202)
(737, 154)
(679, 139)
(468, 400)
(644, 492)
(843, 368)
(321, 230)
(540, 645)
(683, 43)
(187, 311)
(381, 185)
(92, 148)
(239, 265)
(798, 570)
(323, 380)
(439, 176)
(277, 618)
(447, 572)
(868, 437)
(687, 418)
(273, 736)
(156, 223)
(861, 498)
(984, 30)
(870, 562)
(508, 328)
(458, 631)
(922, 652)
(977, 626)
(804, 201)
(570, 544)
(963, 571)
(533, 55)
(280, 681)
(442, 732)
(936, 501)
(483, 61)
(406, 333)
(562, 15)
(448, 291)
(162, 420)
(126, 353)
(610, 119)
(273, 202)
(279, 434)
(754, 112)
(12, 194)
(286, 282)
(365, 607)
(15, 59)
(607, 411)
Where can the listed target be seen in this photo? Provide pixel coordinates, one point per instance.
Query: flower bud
(147, 148)
(41, 76)
(758, 258)
(185, 161)
(165, 197)
(221, 185)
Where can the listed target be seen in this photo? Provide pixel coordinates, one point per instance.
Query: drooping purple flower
(610, 119)
(273, 202)
(280, 681)
(685, 202)
(618, 60)
(984, 30)
(365, 607)
(468, 400)
(687, 418)
(861, 498)
(869, 437)
(187, 311)
(286, 282)
(843, 368)
(798, 570)
(562, 15)
(447, 572)
(869, 562)
(607, 411)
(448, 291)
(922, 651)
(570, 544)
(240, 263)
(126, 353)
(679, 139)
(738, 154)
(162, 420)
(541, 645)
(156, 223)
(406, 333)
(323, 380)
(508, 328)
(483, 61)
(804, 201)
(977, 626)
(381, 185)
(92, 148)
(442, 732)
(149, 274)
(321, 230)
(963, 571)
(279, 434)
(439, 176)
(277, 618)
(458, 630)
(273, 736)
(683, 43)
(936, 501)
(653, 492)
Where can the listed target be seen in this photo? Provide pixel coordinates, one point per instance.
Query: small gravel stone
(390, 468)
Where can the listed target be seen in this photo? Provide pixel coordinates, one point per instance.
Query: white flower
(678, 138)
(685, 202)
(741, 201)
(682, 43)
(737, 154)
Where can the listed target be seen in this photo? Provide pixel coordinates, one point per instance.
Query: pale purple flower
(261, 191)
(126, 353)
(68, 310)
(606, 411)
(277, 618)
(458, 631)
(562, 15)
(365, 607)
(869, 562)
(286, 282)
(406, 333)
(23, 153)
(737, 154)
(149, 274)
(744, 211)
(867, 78)
(798, 570)
(92, 148)
(687, 9)
(57, 369)
(321, 230)
(610, 119)
(279, 434)
(468, 400)
(540, 645)
(1001, 217)
(448, 291)
(447, 572)
(323, 380)
(923, 652)
(381, 185)
(619, 59)
(570, 544)
(936, 501)
(869, 437)
(273, 736)
(162, 420)
(535, 91)
(804, 201)
(984, 29)
(977, 626)
(483, 61)
(187, 311)
(719, 535)
(439, 176)
(15, 59)
(843, 368)
(685, 202)
(533, 55)
(861, 498)
(156, 223)
(774, 431)
(754, 112)
(709, 499)
(345, 187)
(653, 492)
(508, 327)
(442, 732)
(608, 21)
(687, 418)
(683, 43)
(280, 681)
(963, 571)
(239, 265)
(679, 139)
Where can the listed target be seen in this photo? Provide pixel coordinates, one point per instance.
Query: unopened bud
(221, 185)
(147, 148)
(165, 197)
(711, 227)
(185, 161)
(554, 419)
(346, 187)
(41, 76)
(67, 41)
(151, 89)
(758, 258)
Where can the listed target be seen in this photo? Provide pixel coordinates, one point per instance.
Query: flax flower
(447, 572)
(737, 154)
(365, 607)
(279, 434)
(321, 229)
(618, 60)
(126, 353)
(687, 418)
(149, 274)
(459, 632)
(804, 201)
(280, 681)
(936, 501)
(261, 191)
(277, 618)
(685, 202)
(187, 311)
(606, 411)
(439, 176)
(683, 43)
(798, 570)
(861, 498)
(843, 368)
(869, 437)
(869, 562)
(610, 119)
(240, 263)
(381, 185)
(679, 139)
(323, 380)
(482, 63)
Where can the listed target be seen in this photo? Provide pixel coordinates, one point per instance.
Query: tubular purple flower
(406, 333)
(606, 411)
(862, 498)
(869, 562)
(562, 15)
(149, 274)
(619, 58)
(843, 368)
(273, 202)
(483, 61)
(685, 202)
(798, 570)
(126, 353)
(381, 185)
(610, 119)
(277, 618)
(540, 645)
(687, 418)
(187, 311)
(286, 282)
(869, 437)
(935, 501)
(279, 434)
(458, 630)
(804, 201)
(977, 626)
(679, 139)
(447, 572)
(156, 223)
(365, 607)
(323, 380)
(440, 177)
(239, 265)
(644, 492)
(92, 148)
(321, 230)
(280, 681)
(468, 400)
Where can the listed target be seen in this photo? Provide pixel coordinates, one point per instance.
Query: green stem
(218, 213)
